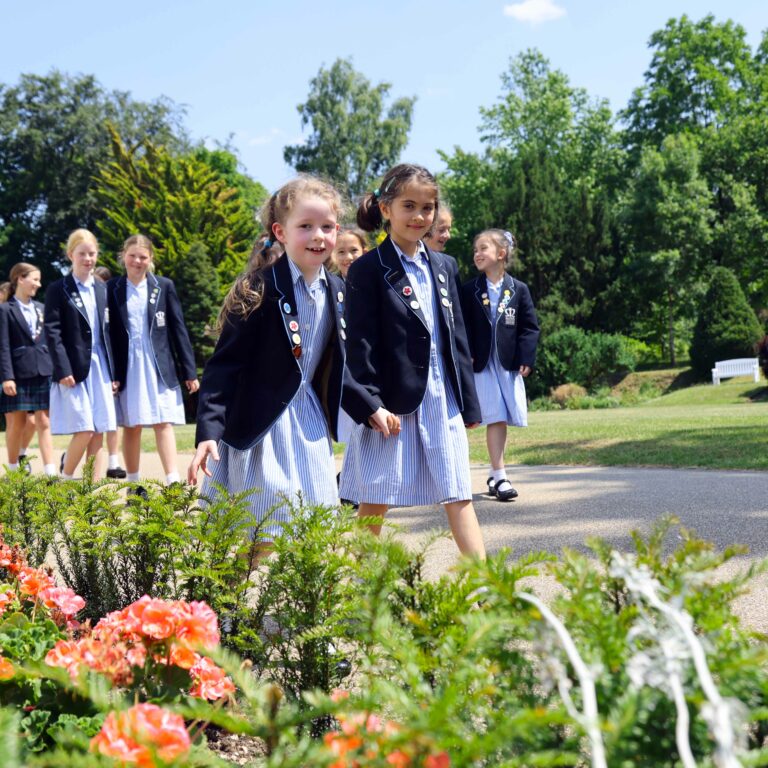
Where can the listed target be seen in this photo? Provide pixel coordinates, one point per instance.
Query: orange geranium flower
(6, 669)
(32, 581)
(132, 736)
(198, 626)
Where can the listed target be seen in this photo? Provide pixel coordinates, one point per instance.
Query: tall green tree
(177, 201)
(224, 161)
(549, 173)
(352, 140)
(53, 140)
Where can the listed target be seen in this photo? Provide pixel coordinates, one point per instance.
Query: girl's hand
(393, 422)
(473, 425)
(115, 387)
(192, 386)
(9, 388)
(67, 381)
(200, 461)
(525, 370)
(381, 419)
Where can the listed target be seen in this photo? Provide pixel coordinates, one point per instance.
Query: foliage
(198, 288)
(573, 356)
(727, 327)
(224, 161)
(464, 670)
(53, 140)
(352, 141)
(177, 200)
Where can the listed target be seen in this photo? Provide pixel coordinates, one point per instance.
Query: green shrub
(726, 326)
(575, 356)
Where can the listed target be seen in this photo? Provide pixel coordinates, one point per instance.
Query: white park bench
(742, 366)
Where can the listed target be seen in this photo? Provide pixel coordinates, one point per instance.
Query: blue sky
(242, 67)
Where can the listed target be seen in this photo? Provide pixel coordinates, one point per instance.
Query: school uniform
(271, 392)
(24, 356)
(148, 337)
(407, 348)
(503, 332)
(77, 334)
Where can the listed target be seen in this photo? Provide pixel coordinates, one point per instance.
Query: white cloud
(266, 138)
(535, 11)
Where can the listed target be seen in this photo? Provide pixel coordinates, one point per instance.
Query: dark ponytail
(369, 214)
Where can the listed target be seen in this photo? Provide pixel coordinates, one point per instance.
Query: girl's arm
(528, 330)
(62, 368)
(6, 359)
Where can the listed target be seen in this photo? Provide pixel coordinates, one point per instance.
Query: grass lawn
(723, 427)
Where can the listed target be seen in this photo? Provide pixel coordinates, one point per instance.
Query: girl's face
(411, 213)
(309, 233)
(487, 256)
(348, 248)
(27, 286)
(138, 262)
(84, 257)
(441, 232)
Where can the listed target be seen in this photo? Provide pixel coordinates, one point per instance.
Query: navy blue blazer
(254, 371)
(68, 332)
(388, 345)
(517, 328)
(168, 336)
(22, 356)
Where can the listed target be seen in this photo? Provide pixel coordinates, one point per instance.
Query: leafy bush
(572, 355)
(726, 326)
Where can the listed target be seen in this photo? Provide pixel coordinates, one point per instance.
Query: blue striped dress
(501, 392)
(89, 406)
(296, 455)
(428, 462)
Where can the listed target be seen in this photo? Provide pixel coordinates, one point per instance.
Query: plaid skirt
(31, 395)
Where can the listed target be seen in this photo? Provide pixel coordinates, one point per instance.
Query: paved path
(563, 506)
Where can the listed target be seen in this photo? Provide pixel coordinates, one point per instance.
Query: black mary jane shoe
(116, 473)
(504, 491)
(490, 482)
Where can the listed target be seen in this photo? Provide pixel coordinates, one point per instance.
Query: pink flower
(63, 599)
(198, 626)
(6, 599)
(210, 681)
(133, 736)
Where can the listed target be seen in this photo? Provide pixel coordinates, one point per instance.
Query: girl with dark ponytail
(407, 348)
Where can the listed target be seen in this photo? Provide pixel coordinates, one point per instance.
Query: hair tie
(376, 193)
(510, 238)
(267, 243)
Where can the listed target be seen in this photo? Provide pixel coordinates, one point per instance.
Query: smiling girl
(407, 348)
(148, 339)
(270, 394)
(77, 331)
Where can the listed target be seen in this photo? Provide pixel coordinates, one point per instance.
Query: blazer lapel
(121, 294)
(440, 284)
(21, 319)
(397, 278)
(507, 294)
(102, 313)
(481, 297)
(70, 286)
(281, 272)
(153, 297)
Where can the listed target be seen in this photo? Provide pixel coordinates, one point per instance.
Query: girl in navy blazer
(407, 348)
(270, 394)
(503, 331)
(77, 332)
(149, 338)
(25, 366)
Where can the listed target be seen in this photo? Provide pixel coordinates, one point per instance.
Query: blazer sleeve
(471, 412)
(6, 359)
(54, 298)
(528, 333)
(363, 339)
(179, 334)
(221, 376)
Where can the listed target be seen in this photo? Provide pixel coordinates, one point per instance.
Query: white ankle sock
(172, 477)
(114, 462)
(66, 476)
(11, 467)
(133, 477)
(498, 474)
(50, 470)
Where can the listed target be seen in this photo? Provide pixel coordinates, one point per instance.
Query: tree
(53, 139)
(701, 74)
(668, 219)
(198, 288)
(352, 142)
(224, 161)
(726, 327)
(176, 201)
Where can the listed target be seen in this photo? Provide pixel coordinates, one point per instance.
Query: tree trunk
(672, 358)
